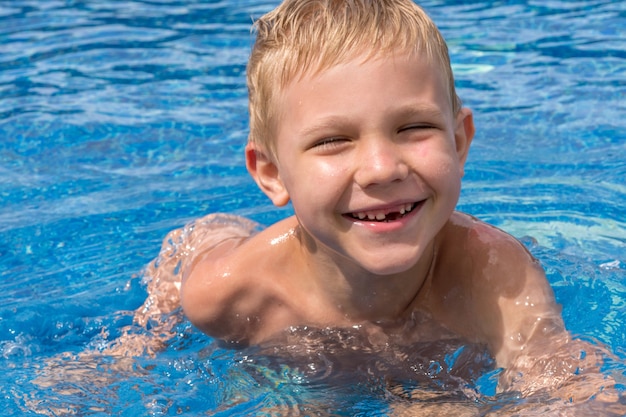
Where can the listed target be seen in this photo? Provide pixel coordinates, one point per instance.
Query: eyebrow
(326, 123)
(419, 110)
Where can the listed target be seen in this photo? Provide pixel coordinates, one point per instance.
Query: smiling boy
(355, 120)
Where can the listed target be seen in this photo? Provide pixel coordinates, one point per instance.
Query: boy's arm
(213, 299)
(532, 345)
(527, 309)
(210, 286)
(493, 290)
(228, 297)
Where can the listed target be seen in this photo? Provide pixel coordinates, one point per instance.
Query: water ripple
(120, 121)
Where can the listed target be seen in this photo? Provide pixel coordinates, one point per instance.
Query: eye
(329, 144)
(417, 127)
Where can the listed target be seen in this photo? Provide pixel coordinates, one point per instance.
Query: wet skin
(371, 157)
(357, 145)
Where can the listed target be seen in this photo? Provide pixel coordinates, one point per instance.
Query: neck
(360, 295)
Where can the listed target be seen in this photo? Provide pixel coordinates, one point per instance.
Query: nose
(380, 162)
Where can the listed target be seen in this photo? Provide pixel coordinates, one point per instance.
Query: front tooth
(408, 207)
(380, 216)
(402, 211)
(361, 216)
(371, 217)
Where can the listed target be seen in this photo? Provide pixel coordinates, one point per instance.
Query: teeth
(379, 216)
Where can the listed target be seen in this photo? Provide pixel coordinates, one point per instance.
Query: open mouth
(384, 215)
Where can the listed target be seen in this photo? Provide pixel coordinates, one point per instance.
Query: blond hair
(307, 36)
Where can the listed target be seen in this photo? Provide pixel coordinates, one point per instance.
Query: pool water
(123, 120)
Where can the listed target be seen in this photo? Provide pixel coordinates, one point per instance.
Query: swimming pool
(121, 121)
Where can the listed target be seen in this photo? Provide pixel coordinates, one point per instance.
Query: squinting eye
(329, 143)
(421, 126)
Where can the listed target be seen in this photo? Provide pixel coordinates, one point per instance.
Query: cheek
(331, 170)
(438, 163)
(312, 178)
(321, 182)
(322, 174)
(437, 154)
(423, 153)
(446, 169)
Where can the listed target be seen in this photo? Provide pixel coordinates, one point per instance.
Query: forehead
(296, 68)
(362, 92)
(293, 74)
(411, 70)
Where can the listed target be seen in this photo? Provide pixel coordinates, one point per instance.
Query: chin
(389, 268)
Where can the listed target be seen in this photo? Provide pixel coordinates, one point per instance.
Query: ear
(265, 173)
(463, 135)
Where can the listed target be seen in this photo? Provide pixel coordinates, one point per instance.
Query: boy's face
(371, 157)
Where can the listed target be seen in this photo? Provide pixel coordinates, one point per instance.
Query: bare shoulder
(490, 258)
(230, 287)
(504, 288)
(498, 254)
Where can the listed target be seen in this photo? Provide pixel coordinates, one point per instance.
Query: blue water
(123, 120)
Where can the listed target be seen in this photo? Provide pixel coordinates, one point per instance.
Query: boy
(355, 120)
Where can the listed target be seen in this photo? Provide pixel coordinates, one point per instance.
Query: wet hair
(305, 37)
